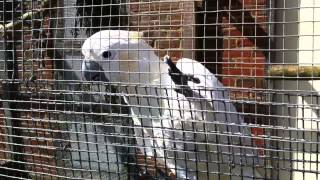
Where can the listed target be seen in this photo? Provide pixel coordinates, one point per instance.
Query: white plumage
(195, 137)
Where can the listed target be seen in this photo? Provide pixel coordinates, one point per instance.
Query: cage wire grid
(87, 91)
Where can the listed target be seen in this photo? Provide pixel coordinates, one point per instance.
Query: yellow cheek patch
(135, 35)
(128, 61)
(124, 56)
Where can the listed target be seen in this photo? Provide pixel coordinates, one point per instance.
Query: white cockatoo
(188, 130)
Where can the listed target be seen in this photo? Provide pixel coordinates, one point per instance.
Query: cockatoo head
(111, 55)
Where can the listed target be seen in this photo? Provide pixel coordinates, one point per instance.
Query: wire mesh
(87, 91)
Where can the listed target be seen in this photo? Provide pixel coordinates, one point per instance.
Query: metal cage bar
(159, 89)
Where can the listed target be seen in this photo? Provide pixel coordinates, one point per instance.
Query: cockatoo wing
(234, 137)
(181, 130)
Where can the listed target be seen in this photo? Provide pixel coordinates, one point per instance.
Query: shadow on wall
(209, 36)
(98, 15)
(210, 28)
(244, 21)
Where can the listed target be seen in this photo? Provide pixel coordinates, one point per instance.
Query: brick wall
(38, 130)
(242, 24)
(244, 31)
(34, 58)
(164, 24)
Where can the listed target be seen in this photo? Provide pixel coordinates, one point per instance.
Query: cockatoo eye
(106, 54)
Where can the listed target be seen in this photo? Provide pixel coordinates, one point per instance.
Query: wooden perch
(294, 71)
(25, 16)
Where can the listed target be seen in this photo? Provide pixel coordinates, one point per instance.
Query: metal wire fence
(88, 91)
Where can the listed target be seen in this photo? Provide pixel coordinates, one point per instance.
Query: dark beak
(92, 71)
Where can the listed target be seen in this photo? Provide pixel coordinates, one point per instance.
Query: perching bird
(194, 136)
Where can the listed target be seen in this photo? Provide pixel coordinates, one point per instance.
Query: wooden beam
(294, 71)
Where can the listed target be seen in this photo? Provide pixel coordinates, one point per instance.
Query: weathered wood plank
(294, 71)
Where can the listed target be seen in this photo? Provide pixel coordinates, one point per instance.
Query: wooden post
(294, 71)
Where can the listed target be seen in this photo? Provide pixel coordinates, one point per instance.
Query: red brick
(249, 65)
(244, 42)
(238, 71)
(228, 81)
(225, 23)
(228, 54)
(230, 65)
(154, 6)
(175, 54)
(177, 16)
(155, 26)
(177, 33)
(258, 72)
(232, 32)
(260, 6)
(173, 22)
(159, 34)
(247, 83)
(256, 13)
(164, 44)
(254, 2)
(248, 62)
(258, 60)
(230, 43)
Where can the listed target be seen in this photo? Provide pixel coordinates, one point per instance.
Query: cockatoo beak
(92, 71)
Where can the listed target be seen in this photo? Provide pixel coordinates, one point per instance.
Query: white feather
(183, 133)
